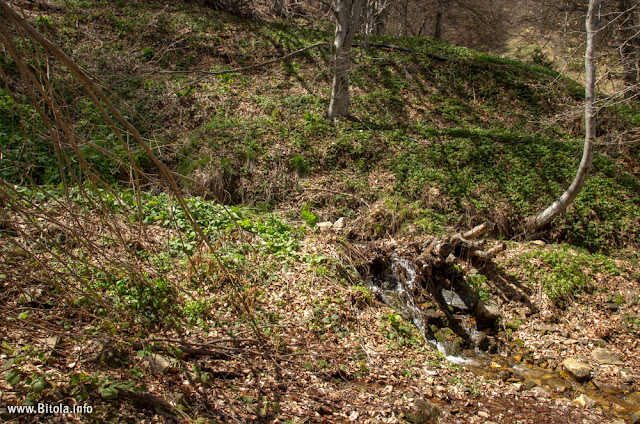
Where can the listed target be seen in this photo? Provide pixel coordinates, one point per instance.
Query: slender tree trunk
(437, 33)
(568, 196)
(347, 19)
(630, 47)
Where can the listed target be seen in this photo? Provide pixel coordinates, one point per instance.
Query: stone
(546, 329)
(550, 319)
(159, 363)
(425, 412)
(579, 371)
(454, 300)
(635, 418)
(339, 224)
(612, 306)
(606, 387)
(481, 340)
(325, 226)
(626, 375)
(538, 243)
(603, 356)
(585, 401)
(599, 342)
(487, 314)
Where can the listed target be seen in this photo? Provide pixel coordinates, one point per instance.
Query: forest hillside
(185, 236)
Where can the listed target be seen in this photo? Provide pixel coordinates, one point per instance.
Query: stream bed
(486, 352)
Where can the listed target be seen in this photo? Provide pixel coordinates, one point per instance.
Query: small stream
(397, 283)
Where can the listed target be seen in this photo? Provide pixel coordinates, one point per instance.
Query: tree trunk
(347, 18)
(630, 46)
(437, 33)
(568, 196)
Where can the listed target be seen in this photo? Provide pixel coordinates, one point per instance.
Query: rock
(606, 387)
(425, 413)
(105, 351)
(159, 363)
(483, 414)
(257, 410)
(577, 370)
(550, 319)
(325, 226)
(635, 418)
(599, 342)
(538, 243)
(545, 329)
(569, 342)
(634, 399)
(626, 375)
(481, 340)
(487, 314)
(585, 401)
(612, 306)
(339, 224)
(603, 356)
(454, 300)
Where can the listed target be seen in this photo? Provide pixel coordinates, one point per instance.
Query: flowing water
(397, 286)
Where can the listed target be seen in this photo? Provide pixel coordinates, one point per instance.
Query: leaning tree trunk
(347, 14)
(574, 189)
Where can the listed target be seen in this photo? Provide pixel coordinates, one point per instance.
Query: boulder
(585, 401)
(579, 371)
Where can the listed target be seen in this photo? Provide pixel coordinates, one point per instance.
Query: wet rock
(487, 314)
(454, 300)
(577, 370)
(481, 340)
(605, 357)
(425, 413)
(606, 387)
(585, 401)
(626, 375)
(325, 226)
(434, 317)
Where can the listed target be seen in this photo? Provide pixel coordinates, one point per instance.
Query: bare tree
(347, 15)
(629, 45)
(574, 189)
(374, 15)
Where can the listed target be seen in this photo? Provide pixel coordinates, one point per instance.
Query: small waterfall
(396, 287)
